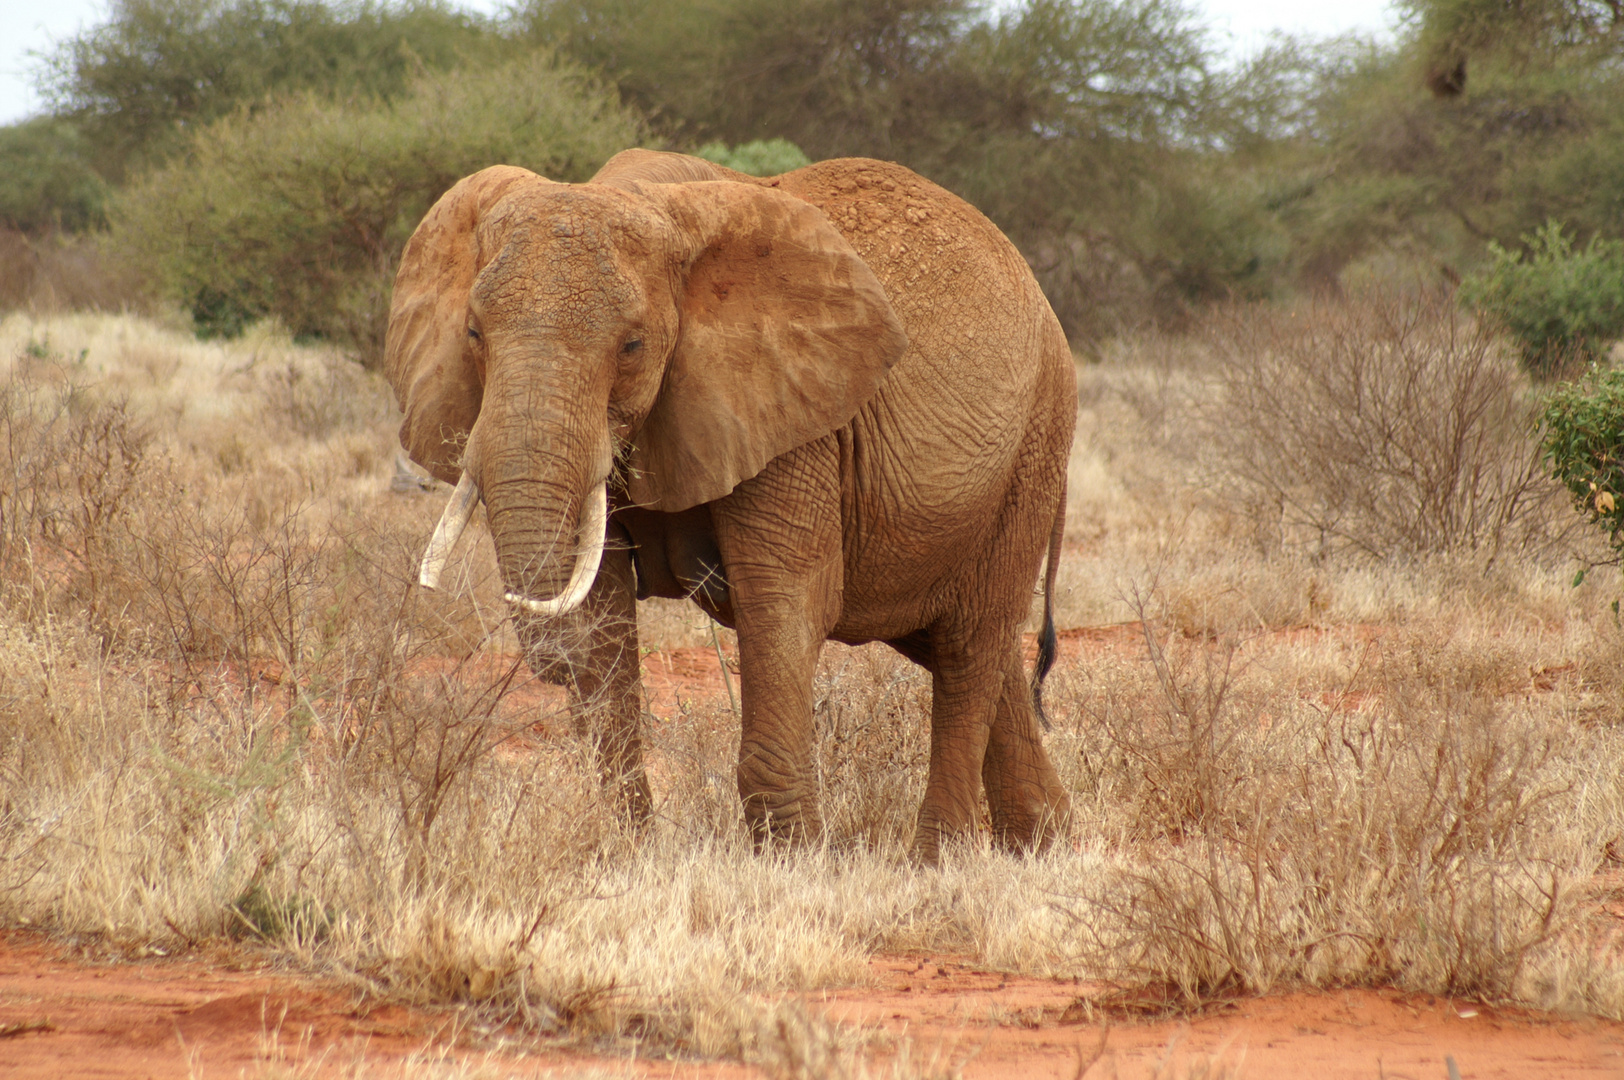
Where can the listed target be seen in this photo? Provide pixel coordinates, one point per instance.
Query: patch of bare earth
(68, 1012)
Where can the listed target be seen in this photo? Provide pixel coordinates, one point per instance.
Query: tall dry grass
(226, 713)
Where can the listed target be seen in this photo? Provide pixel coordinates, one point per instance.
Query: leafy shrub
(1563, 308)
(300, 211)
(762, 157)
(1387, 424)
(46, 181)
(1584, 449)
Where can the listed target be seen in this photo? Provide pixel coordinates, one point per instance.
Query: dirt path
(66, 1013)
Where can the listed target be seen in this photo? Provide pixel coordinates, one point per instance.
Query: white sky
(34, 25)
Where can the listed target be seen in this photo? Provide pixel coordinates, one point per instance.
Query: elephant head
(653, 330)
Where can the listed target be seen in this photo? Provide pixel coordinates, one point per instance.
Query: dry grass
(225, 712)
(63, 273)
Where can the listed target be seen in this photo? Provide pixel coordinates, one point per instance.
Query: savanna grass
(226, 712)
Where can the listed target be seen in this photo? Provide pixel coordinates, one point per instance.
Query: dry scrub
(63, 272)
(1392, 425)
(226, 712)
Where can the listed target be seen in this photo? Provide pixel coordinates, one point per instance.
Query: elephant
(826, 405)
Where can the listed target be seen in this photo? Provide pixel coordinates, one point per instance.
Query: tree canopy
(1139, 168)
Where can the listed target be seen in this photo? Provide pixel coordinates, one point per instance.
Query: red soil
(69, 1013)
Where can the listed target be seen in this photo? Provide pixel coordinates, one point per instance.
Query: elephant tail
(1047, 642)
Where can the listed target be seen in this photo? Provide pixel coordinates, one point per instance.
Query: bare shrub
(1386, 423)
(336, 395)
(71, 479)
(1170, 748)
(1414, 828)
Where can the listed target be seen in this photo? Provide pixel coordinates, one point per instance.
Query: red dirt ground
(73, 1012)
(66, 1013)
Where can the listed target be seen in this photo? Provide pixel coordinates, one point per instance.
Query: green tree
(832, 76)
(46, 181)
(1483, 122)
(157, 69)
(1094, 132)
(299, 209)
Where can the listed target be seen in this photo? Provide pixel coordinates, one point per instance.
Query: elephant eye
(631, 346)
(473, 334)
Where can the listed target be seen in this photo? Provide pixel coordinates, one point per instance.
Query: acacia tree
(1485, 121)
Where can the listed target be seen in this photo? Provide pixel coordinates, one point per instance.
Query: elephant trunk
(542, 473)
(594, 526)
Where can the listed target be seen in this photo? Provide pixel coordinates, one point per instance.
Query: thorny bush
(1403, 830)
(1386, 423)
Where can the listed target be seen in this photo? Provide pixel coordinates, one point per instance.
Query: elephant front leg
(778, 652)
(595, 654)
(1028, 804)
(779, 538)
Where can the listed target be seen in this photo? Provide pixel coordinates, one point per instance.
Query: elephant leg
(779, 536)
(965, 690)
(1029, 806)
(600, 667)
(778, 655)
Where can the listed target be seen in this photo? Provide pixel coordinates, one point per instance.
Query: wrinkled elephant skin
(831, 404)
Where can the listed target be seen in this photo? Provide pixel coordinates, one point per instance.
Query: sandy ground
(67, 1012)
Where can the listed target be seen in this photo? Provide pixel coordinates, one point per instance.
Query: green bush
(46, 182)
(762, 157)
(157, 69)
(300, 210)
(1584, 449)
(1563, 308)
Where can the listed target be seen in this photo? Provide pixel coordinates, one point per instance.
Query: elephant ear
(785, 333)
(427, 357)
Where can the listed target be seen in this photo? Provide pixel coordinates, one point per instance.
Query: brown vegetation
(63, 272)
(225, 712)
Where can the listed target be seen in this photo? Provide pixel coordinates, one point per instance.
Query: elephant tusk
(448, 531)
(591, 535)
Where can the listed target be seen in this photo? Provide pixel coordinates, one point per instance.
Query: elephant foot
(1031, 826)
(1028, 816)
(783, 823)
(934, 833)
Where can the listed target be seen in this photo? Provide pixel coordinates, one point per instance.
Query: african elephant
(831, 404)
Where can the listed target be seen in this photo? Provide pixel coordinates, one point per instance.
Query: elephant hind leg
(965, 686)
(1028, 804)
(984, 734)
